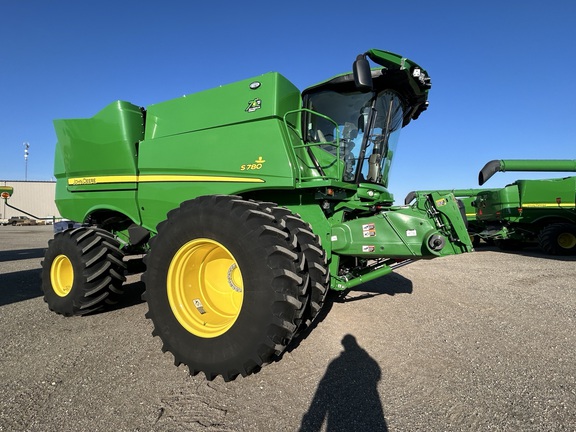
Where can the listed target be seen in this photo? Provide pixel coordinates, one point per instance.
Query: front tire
(82, 271)
(224, 282)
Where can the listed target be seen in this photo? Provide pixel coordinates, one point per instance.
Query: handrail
(294, 146)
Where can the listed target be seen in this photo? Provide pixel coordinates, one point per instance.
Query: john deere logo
(254, 105)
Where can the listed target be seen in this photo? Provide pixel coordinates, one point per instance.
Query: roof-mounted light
(421, 76)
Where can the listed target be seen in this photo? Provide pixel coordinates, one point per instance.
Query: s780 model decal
(256, 165)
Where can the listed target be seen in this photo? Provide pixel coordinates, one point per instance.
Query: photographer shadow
(347, 397)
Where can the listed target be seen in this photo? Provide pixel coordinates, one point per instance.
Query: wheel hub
(567, 240)
(62, 275)
(205, 288)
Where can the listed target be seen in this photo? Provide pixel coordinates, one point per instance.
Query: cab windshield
(367, 132)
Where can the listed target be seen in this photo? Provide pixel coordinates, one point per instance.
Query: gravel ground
(482, 341)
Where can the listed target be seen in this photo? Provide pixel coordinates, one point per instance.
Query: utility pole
(26, 147)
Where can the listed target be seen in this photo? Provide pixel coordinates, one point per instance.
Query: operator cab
(368, 127)
(358, 117)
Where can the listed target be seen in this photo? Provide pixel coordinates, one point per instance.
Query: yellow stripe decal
(81, 181)
(189, 178)
(568, 205)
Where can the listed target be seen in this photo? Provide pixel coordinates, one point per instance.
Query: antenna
(26, 147)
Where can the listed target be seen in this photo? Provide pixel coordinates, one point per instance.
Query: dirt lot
(483, 341)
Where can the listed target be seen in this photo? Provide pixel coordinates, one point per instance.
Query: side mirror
(362, 74)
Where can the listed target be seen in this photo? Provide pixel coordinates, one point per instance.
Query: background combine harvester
(275, 197)
(526, 212)
(530, 211)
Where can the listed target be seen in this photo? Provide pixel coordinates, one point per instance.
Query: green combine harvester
(249, 202)
(527, 212)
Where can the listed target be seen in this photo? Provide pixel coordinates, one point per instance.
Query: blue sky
(503, 72)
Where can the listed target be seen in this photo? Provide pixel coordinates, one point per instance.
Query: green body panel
(311, 212)
(521, 209)
(468, 198)
(490, 205)
(529, 200)
(86, 145)
(551, 193)
(233, 159)
(128, 166)
(374, 192)
(89, 153)
(398, 233)
(77, 206)
(226, 105)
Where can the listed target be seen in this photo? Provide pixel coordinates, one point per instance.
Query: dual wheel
(230, 282)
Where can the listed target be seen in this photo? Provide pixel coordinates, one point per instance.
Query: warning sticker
(368, 248)
(368, 230)
(199, 306)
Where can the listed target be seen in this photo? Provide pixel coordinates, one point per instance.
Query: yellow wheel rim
(567, 240)
(205, 288)
(61, 275)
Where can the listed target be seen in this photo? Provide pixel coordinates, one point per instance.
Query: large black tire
(225, 283)
(558, 239)
(82, 271)
(316, 263)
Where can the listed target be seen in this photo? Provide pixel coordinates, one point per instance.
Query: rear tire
(558, 239)
(224, 282)
(82, 271)
(316, 262)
